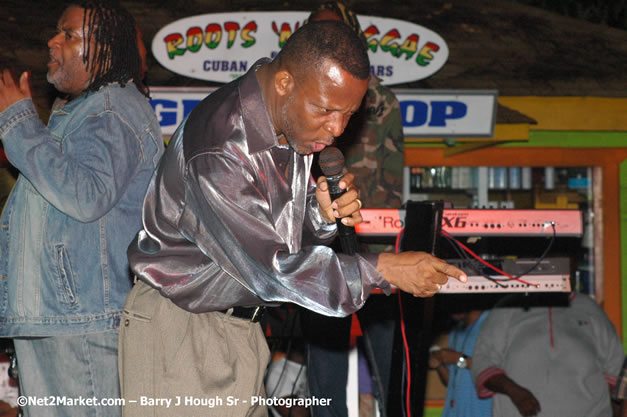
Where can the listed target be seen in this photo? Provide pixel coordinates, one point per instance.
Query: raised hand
(12, 90)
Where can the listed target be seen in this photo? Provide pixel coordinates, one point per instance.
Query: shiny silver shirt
(225, 226)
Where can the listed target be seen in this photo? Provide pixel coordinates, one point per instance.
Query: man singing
(233, 222)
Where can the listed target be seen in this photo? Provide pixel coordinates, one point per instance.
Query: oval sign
(222, 46)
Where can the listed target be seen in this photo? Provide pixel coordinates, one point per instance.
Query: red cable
(486, 263)
(400, 305)
(404, 335)
(397, 245)
(407, 358)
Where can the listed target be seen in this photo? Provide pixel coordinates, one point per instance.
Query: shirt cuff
(371, 258)
(611, 379)
(482, 391)
(14, 114)
(318, 221)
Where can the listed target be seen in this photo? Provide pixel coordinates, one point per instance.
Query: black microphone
(331, 162)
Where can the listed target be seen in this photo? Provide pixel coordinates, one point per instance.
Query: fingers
(435, 359)
(417, 273)
(6, 79)
(324, 199)
(346, 207)
(425, 293)
(323, 187)
(430, 286)
(25, 84)
(534, 406)
(347, 181)
(348, 203)
(530, 411)
(444, 271)
(350, 195)
(353, 220)
(10, 91)
(450, 271)
(527, 403)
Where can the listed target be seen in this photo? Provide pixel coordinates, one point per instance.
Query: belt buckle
(257, 313)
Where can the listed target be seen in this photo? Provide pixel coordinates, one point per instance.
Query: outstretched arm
(417, 273)
(522, 398)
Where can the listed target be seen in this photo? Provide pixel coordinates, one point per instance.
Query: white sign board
(448, 113)
(222, 46)
(425, 113)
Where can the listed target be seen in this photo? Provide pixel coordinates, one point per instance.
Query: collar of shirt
(260, 133)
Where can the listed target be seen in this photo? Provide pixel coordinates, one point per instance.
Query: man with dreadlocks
(75, 208)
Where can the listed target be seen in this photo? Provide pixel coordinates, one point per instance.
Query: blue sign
(425, 113)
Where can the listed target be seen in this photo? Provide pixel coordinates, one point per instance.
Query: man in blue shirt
(453, 365)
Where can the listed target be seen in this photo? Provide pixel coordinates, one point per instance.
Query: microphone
(331, 162)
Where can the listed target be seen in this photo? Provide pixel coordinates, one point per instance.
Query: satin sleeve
(228, 215)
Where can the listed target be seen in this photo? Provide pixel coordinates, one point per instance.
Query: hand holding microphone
(342, 202)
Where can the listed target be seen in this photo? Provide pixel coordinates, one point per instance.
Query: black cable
(374, 369)
(541, 258)
(403, 384)
(538, 260)
(470, 262)
(470, 265)
(284, 331)
(287, 350)
(283, 370)
(302, 365)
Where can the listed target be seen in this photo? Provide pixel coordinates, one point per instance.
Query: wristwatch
(462, 362)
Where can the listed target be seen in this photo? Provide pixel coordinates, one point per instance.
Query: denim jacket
(74, 210)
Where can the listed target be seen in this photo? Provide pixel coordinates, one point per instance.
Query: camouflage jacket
(373, 148)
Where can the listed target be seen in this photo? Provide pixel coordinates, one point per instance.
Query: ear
(283, 83)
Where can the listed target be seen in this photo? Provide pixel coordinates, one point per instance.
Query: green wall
(623, 247)
(558, 139)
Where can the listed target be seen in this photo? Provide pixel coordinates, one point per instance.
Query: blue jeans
(74, 367)
(328, 348)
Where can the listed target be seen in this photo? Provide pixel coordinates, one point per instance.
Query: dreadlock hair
(310, 46)
(115, 57)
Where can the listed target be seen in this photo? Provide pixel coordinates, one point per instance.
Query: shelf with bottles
(503, 187)
(460, 179)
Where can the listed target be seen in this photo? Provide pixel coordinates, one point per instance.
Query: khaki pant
(174, 363)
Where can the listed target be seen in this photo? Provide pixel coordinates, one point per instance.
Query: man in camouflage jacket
(373, 148)
(372, 145)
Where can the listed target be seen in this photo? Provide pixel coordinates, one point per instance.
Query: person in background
(287, 378)
(143, 69)
(453, 364)
(373, 150)
(233, 222)
(75, 208)
(539, 360)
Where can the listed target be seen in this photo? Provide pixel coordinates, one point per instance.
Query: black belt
(249, 313)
